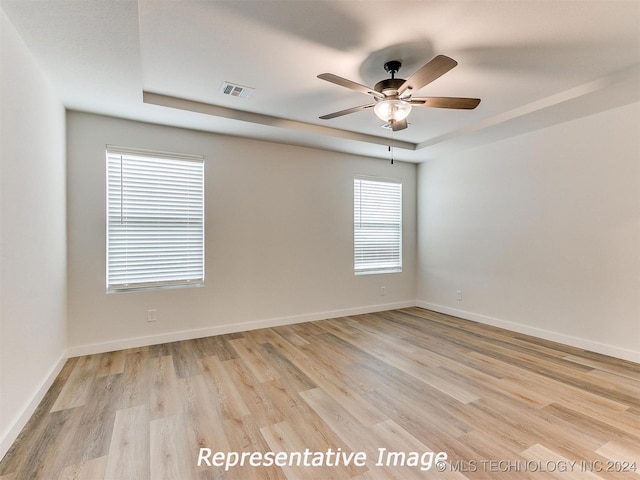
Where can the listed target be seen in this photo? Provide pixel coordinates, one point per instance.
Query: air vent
(234, 90)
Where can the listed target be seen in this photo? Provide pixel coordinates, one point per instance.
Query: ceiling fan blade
(343, 82)
(437, 67)
(346, 112)
(400, 125)
(446, 102)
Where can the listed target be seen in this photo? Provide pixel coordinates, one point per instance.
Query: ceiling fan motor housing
(389, 86)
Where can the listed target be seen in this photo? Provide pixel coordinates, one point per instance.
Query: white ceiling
(533, 63)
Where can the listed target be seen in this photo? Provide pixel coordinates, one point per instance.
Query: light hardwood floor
(500, 404)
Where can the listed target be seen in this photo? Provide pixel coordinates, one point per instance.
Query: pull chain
(391, 146)
(121, 191)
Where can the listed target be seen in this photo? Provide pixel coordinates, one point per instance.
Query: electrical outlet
(459, 295)
(383, 290)
(152, 315)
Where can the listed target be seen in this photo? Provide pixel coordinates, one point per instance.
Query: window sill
(147, 288)
(376, 272)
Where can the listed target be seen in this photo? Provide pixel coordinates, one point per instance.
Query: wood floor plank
(631, 382)
(203, 347)
(111, 363)
(289, 372)
(422, 365)
(361, 438)
(399, 440)
(341, 391)
(261, 335)
(293, 351)
(163, 389)
(263, 409)
(479, 442)
(556, 390)
(32, 464)
(58, 454)
(136, 379)
(202, 418)
(607, 364)
(22, 448)
(285, 437)
(90, 470)
(243, 432)
(96, 422)
(329, 348)
(411, 407)
(621, 451)
(251, 354)
(129, 449)
(185, 360)
(78, 386)
(404, 380)
(160, 350)
(222, 348)
(539, 453)
(291, 336)
(591, 426)
(228, 398)
(170, 456)
(350, 360)
(355, 435)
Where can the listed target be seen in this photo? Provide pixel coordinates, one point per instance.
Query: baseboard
(597, 347)
(95, 348)
(605, 349)
(10, 435)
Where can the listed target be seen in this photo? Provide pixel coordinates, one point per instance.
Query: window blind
(377, 220)
(155, 220)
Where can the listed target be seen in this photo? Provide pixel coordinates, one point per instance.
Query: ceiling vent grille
(234, 90)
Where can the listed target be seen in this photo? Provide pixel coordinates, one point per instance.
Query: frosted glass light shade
(388, 110)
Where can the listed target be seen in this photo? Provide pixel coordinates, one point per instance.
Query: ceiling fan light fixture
(392, 109)
(393, 96)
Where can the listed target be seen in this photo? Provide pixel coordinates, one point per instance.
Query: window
(155, 220)
(377, 226)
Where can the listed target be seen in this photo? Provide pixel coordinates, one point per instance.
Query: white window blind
(155, 220)
(377, 221)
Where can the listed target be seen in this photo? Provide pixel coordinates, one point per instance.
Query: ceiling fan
(393, 100)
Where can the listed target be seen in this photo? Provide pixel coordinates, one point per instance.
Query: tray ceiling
(532, 63)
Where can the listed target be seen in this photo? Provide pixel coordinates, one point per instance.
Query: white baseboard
(597, 347)
(577, 342)
(95, 348)
(11, 434)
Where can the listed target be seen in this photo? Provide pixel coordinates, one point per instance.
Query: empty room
(319, 239)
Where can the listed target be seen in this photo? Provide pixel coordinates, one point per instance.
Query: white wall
(279, 238)
(32, 234)
(540, 232)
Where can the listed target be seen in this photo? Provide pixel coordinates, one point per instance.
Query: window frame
(193, 225)
(396, 265)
